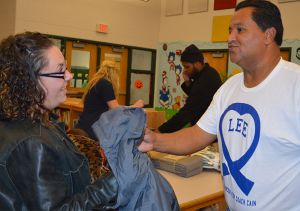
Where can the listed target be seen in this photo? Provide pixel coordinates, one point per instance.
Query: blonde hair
(109, 71)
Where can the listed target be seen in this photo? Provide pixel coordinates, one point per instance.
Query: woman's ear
(40, 83)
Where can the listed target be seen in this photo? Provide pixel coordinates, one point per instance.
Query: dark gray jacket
(141, 187)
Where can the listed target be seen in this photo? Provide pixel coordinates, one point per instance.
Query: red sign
(102, 28)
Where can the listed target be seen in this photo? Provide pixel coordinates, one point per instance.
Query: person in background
(40, 168)
(100, 96)
(255, 115)
(201, 81)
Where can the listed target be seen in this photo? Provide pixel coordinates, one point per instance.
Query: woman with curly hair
(100, 96)
(40, 168)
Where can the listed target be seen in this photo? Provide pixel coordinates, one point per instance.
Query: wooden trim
(92, 65)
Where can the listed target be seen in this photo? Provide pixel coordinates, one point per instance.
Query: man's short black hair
(265, 15)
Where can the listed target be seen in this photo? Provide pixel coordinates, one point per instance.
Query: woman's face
(55, 85)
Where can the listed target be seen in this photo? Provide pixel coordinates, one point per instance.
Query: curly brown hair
(22, 56)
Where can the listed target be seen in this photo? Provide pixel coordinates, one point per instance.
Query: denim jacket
(40, 169)
(141, 187)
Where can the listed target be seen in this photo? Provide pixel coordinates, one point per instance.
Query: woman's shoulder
(24, 130)
(103, 82)
(102, 85)
(20, 135)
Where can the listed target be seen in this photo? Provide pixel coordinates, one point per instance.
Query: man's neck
(260, 71)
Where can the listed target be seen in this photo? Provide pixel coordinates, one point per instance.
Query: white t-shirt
(258, 131)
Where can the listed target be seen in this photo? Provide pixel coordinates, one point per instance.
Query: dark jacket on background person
(141, 187)
(40, 169)
(200, 93)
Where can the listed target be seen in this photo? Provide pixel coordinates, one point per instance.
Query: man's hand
(148, 142)
(186, 78)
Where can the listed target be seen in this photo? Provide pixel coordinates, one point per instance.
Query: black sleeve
(200, 96)
(186, 88)
(36, 171)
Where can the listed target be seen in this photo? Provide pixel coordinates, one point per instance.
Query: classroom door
(217, 60)
(120, 56)
(285, 53)
(81, 61)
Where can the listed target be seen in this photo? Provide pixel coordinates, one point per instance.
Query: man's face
(246, 41)
(191, 69)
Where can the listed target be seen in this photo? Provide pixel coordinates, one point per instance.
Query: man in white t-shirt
(255, 115)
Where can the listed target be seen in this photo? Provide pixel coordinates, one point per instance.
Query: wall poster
(224, 4)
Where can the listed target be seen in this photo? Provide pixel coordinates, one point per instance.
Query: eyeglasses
(61, 75)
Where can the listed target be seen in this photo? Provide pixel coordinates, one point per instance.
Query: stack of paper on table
(210, 158)
(185, 166)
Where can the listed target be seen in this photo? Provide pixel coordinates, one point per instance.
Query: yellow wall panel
(220, 28)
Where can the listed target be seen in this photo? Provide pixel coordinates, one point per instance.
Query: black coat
(40, 169)
(200, 94)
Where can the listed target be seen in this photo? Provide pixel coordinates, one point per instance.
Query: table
(72, 107)
(198, 191)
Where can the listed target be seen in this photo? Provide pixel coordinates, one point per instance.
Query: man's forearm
(183, 142)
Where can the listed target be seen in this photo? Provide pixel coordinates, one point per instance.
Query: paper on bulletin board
(220, 28)
(141, 60)
(282, 1)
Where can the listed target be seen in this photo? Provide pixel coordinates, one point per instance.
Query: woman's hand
(138, 104)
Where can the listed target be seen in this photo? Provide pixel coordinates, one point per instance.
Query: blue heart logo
(234, 167)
